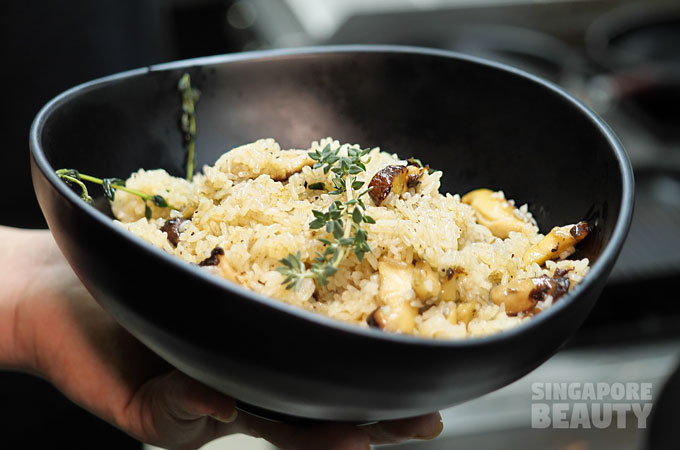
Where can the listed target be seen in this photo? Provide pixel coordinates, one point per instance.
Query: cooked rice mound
(254, 204)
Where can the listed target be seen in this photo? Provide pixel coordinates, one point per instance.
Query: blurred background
(621, 58)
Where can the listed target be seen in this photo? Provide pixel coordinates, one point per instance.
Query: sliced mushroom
(399, 319)
(449, 289)
(522, 295)
(452, 316)
(173, 228)
(580, 230)
(415, 173)
(395, 293)
(555, 287)
(426, 282)
(560, 273)
(375, 319)
(216, 259)
(396, 179)
(449, 284)
(555, 243)
(396, 280)
(465, 312)
(390, 179)
(494, 212)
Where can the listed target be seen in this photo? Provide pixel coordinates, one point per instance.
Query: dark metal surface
(482, 124)
(652, 250)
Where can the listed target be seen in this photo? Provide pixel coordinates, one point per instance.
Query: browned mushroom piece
(495, 212)
(465, 312)
(555, 287)
(580, 230)
(416, 164)
(556, 243)
(560, 273)
(376, 319)
(389, 179)
(173, 228)
(448, 289)
(426, 282)
(522, 295)
(215, 259)
(415, 173)
(393, 318)
(395, 179)
(395, 294)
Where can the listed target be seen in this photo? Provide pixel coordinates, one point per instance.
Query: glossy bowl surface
(482, 123)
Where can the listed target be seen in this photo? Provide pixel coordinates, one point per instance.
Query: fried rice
(431, 250)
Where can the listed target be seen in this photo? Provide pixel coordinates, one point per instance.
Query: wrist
(20, 261)
(10, 356)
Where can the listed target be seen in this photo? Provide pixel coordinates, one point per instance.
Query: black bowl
(482, 123)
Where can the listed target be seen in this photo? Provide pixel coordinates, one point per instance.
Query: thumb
(178, 412)
(184, 398)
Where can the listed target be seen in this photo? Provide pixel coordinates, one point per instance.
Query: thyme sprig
(418, 163)
(342, 221)
(188, 121)
(110, 186)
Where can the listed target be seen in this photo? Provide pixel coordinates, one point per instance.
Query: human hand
(54, 328)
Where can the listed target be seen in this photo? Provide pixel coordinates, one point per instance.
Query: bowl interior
(483, 126)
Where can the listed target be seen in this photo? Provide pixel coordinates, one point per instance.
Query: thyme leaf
(317, 186)
(72, 177)
(342, 221)
(109, 190)
(110, 186)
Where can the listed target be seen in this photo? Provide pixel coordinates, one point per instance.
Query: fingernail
(434, 434)
(224, 419)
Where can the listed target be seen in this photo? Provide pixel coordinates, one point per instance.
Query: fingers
(174, 411)
(341, 436)
(182, 413)
(187, 399)
(328, 436)
(392, 431)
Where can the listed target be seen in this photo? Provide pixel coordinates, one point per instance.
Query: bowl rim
(607, 257)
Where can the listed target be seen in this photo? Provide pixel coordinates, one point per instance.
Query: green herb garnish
(342, 221)
(418, 163)
(188, 120)
(110, 186)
